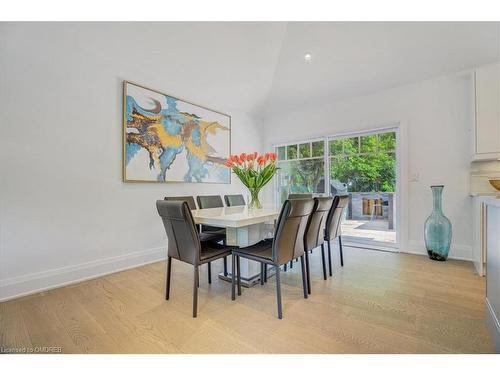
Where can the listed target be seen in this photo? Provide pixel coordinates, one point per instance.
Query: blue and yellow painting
(167, 139)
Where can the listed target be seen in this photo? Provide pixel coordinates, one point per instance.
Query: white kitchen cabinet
(486, 130)
(479, 234)
(493, 271)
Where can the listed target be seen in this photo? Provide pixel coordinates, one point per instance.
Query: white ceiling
(224, 65)
(252, 65)
(356, 58)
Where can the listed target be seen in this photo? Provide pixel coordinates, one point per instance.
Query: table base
(248, 282)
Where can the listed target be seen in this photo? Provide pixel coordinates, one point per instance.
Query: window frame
(286, 160)
(400, 137)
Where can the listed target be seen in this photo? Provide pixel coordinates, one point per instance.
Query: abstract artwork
(166, 139)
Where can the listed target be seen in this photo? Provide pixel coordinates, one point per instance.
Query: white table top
(235, 216)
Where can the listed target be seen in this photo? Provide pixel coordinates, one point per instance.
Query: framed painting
(167, 139)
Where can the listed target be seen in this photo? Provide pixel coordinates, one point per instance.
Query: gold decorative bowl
(495, 184)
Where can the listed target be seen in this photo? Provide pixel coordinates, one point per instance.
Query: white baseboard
(459, 252)
(16, 287)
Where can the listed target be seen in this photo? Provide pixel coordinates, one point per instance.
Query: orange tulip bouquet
(254, 171)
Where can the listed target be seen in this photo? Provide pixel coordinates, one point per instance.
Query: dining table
(245, 227)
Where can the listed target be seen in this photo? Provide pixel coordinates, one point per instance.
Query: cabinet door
(487, 129)
(478, 235)
(493, 263)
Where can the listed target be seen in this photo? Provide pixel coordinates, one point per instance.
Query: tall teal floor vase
(437, 229)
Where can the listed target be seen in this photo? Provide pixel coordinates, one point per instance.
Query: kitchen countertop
(492, 201)
(492, 194)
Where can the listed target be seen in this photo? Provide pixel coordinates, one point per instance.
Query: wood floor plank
(85, 332)
(123, 326)
(43, 325)
(13, 332)
(377, 303)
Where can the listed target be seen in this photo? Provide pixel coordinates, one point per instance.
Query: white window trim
(397, 127)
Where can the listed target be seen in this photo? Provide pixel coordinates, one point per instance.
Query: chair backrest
(234, 200)
(189, 199)
(209, 201)
(334, 218)
(299, 195)
(314, 235)
(288, 240)
(183, 238)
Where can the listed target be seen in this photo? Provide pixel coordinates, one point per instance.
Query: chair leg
(308, 273)
(291, 264)
(265, 272)
(304, 282)
(238, 274)
(262, 274)
(278, 292)
(225, 266)
(329, 257)
(284, 267)
(341, 253)
(233, 277)
(195, 292)
(209, 273)
(169, 271)
(323, 260)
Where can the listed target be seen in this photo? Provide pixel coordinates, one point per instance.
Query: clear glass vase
(437, 229)
(254, 199)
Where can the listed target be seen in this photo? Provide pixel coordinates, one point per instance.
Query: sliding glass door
(302, 168)
(363, 166)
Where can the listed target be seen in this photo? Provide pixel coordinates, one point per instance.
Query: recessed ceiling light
(307, 57)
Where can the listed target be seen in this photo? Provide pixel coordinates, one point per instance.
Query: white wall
(65, 213)
(436, 116)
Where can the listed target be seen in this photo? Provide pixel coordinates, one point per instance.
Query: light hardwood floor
(378, 303)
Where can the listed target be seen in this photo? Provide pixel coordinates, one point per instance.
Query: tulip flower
(254, 170)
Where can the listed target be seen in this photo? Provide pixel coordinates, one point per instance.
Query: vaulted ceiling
(356, 58)
(250, 65)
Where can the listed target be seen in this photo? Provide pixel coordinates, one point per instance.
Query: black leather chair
(299, 195)
(212, 201)
(184, 243)
(286, 245)
(209, 201)
(314, 234)
(234, 200)
(333, 226)
(187, 198)
(216, 235)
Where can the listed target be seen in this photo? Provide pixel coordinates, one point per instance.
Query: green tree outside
(365, 164)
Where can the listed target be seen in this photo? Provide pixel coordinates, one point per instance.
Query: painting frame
(127, 179)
